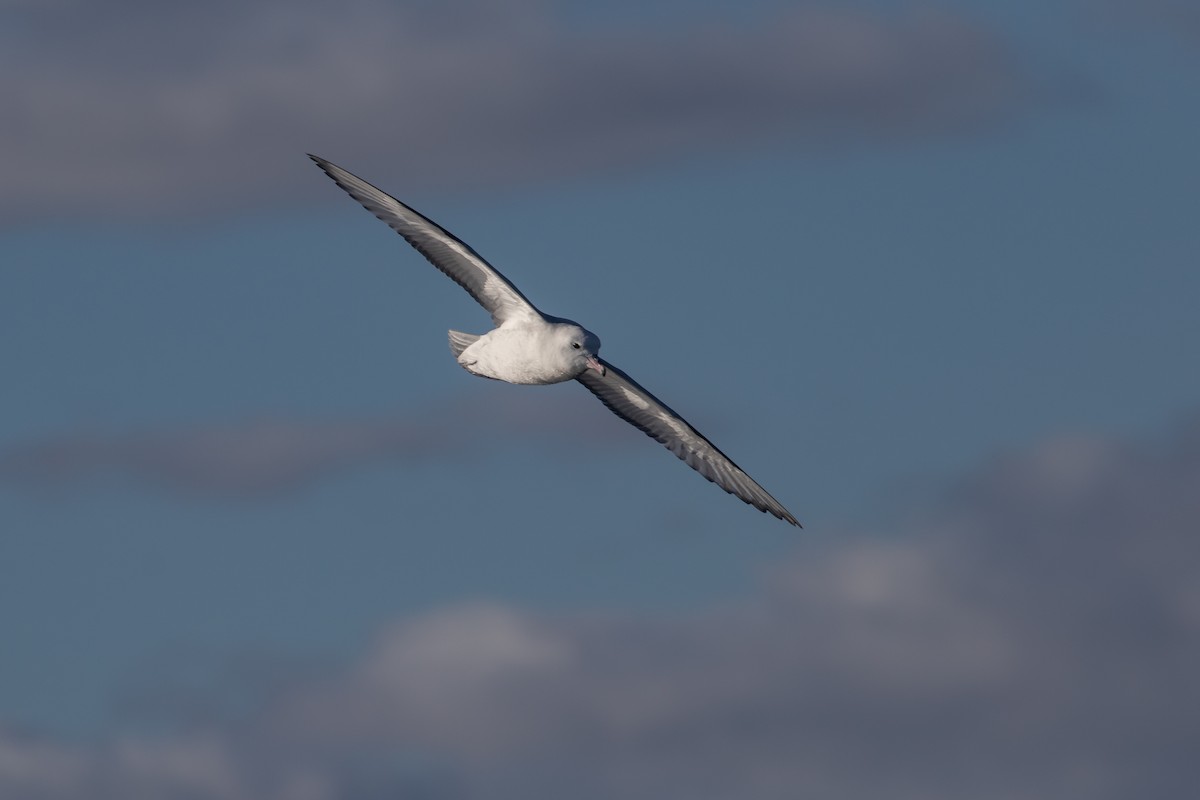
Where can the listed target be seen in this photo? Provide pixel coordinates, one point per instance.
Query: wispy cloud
(1035, 635)
(135, 108)
(273, 454)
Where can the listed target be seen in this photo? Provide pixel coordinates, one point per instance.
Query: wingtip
(782, 514)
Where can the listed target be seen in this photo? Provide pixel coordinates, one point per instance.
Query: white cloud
(1035, 636)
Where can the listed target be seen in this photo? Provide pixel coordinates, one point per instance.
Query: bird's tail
(460, 341)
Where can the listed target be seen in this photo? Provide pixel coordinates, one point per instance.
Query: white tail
(460, 341)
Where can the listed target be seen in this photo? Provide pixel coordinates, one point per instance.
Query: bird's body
(529, 347)
(528, 351)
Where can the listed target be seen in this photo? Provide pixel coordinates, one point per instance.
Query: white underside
(517, 353)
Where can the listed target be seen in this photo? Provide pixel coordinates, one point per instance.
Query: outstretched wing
(625, 398)
(443, 249)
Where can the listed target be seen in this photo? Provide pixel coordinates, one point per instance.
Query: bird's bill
(594, 363)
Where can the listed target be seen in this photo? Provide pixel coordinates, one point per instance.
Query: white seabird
(527, 346)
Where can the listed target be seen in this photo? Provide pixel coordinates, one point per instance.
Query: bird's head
(580, 346)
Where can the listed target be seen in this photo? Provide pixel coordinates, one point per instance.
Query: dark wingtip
(782, 514)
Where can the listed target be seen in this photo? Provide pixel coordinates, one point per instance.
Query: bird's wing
(443, 249)
(628, 400)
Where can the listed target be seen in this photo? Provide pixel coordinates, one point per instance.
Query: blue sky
(928, 272)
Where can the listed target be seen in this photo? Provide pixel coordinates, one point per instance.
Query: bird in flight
(527, 346)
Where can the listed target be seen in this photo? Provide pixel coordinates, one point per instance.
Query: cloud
(252, 458)
(142, 109)
(1032, 634)
(1179, 19)
(270, 455)
(1177, 16)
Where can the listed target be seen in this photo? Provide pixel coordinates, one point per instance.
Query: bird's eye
(575, 345)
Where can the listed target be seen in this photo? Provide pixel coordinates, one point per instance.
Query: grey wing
(625, 398)
(443, 249)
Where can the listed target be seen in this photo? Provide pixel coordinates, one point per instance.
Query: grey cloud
(142, 108)
(273, 454)
(241, 459)
(1179, 17)
(1034, 634)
